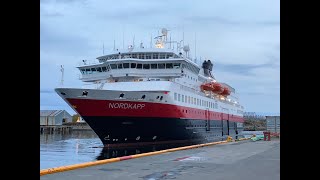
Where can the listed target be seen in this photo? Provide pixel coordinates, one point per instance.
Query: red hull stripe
(90, 107)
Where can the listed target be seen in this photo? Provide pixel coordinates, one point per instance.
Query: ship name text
(125, 106)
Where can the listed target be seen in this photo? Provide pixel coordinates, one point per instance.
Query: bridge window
(169, 56)
(153, 66)
(99, 69)
(104, 69)
(125, 65)
(155, 55)
(119, 66)
(169, 66)
(161, 66)
(141, 56)
(93, 70)
(148, 56)
(113, 66)
(139, 66)
(146, 66)
(134, 56)
(176, 65)
(162, 56)
(133, 65)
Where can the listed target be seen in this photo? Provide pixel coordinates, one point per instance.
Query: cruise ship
(159, 95)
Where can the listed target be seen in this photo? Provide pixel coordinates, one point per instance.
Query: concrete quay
(242, 160)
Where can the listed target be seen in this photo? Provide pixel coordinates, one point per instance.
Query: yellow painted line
(106, 161)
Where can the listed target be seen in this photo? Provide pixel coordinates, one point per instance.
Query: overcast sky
(242, 38)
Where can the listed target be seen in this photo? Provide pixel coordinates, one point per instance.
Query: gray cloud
(221, 20)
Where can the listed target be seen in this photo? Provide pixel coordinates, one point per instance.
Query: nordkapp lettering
(126, 106)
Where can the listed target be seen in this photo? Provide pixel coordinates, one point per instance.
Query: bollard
(266, 133)
(229, 139)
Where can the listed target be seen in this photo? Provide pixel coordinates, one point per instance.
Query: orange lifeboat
(206, 87)
(212, 86)
(217, 88)
(225, 92)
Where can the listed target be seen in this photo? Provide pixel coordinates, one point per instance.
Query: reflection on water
(70, 148)
(82, 146)
(118, 152)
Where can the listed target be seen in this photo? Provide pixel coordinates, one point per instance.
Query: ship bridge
(138, 66)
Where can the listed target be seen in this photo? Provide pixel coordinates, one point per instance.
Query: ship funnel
(207, 68)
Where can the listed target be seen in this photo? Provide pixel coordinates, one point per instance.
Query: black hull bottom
(135, 132)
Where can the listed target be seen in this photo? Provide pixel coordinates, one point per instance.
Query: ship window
(113, 66)
(133, 65)
(182, 98)
(176, 65)
(125, 65)
(169, 66)
(134, 55)
(186, 98)
(161, 66)
(119, 66)
(148, 56)
(169, 56)
(141, 56)
(157, 79)
(155, 55)
(162, 56)
(146, 66)
(99, 69)
(216, 104)
(121, 95)
(104, 69)
(161, 97)
(157, 97)
(153, 66)
(194, 101)
(93, 70)
(143, 97)
(178, 97)
(82, 71)
(139, 66)
(175, 96)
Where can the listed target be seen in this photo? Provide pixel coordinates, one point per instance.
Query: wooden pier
(54, 129)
